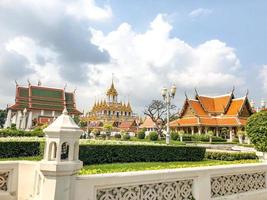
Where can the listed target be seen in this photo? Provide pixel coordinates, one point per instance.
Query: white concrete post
(199, 130)
(8, 119)
(23, 121)
(18, 119)
(217, 131)
(29, 122)
(202, 187)
(206, 130)
(231, 134)
(60, 175)
(192, 130)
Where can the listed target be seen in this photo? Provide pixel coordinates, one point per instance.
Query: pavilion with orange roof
(205, 113)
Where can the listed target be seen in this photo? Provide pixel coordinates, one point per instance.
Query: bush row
(96, 154)
(19, 133)
(202, 138)
(229, 156)
(21, 149)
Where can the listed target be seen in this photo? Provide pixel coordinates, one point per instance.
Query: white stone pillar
(29, 122)
(192, 130)
(217, 131)
(206, 130)
(8, 119)
(23, 121)
(199, 130)
(42, 112)
(18, 119)
(231, 134)
(53, 113)
(60, 175)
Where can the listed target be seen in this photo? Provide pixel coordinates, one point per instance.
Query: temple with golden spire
(109, 110)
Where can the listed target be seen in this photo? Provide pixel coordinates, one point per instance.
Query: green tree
(3, 114)
(256, 129)
(108, 128)
(210, 134)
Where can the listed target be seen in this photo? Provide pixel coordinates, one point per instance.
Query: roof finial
(196, 92)
(233, 89)
(39, 83)
(65, 111)
(247, 93)
(185, 95)
(75, 90)
(29, 82)
(112, 78)
(16, 83)
(65, 86)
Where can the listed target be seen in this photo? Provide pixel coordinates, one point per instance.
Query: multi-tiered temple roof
(44, 98)
(225, 110)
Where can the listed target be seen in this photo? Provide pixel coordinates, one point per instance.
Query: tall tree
(3, 114)
(157, 111)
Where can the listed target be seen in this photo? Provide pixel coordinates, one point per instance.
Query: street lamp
(167, 96)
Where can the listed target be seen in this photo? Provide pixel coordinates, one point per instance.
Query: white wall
(140, 183)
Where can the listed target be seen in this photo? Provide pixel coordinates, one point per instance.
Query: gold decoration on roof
(112, 90)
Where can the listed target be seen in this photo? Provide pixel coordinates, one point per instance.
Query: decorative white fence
(246, 182)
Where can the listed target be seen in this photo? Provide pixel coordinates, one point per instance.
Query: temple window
(65, 151)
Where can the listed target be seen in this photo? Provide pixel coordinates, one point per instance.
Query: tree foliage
(3, 114)
(257, 130)
(157, 111)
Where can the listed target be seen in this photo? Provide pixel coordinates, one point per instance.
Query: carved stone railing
(240, 183)
(4, 177)
(180, 190)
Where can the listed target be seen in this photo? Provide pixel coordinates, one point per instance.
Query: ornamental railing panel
(176, 190)
(235, 184)
(4, 177)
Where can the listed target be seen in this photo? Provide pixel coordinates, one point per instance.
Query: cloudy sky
(147, 44)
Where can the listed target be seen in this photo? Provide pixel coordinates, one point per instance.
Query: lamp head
(173, 90)
(164, 92)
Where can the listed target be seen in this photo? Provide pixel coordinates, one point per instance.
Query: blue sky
(209, 45)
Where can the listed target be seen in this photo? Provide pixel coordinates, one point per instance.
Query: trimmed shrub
(96, 154)
(174, 135)
(229, 156)
(153, 136)
(257, 130)
(117, 136)
(21, 149)
(126, 136)
(141, 135)
(12, 132)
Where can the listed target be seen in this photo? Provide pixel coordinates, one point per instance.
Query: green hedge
(228, 156)
(21, 149)
(201, 138)
(96, 154)
(9, 132)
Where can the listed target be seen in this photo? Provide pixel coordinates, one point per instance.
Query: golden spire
(112, 90)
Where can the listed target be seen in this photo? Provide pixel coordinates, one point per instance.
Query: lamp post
(167, 96)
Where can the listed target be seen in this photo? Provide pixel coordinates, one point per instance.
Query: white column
(53, 113)
(217, 131)
(42, 112)
(8, 119)
(206, 130)
(18, 119)
(23, 121)
(29, 122)
(199, 130)
(192, 130)
(231, 134)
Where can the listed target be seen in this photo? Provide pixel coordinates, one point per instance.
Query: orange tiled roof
(148, 123)
(215, 104)
(197, 107)
(184, 122)
(235, 106)
(127, 124)
(207, 121)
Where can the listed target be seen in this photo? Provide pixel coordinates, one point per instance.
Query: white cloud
(263, 76)
(87, 9)
(200, 12)
(144, 62)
